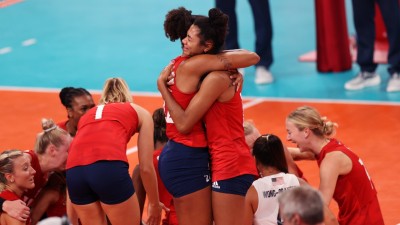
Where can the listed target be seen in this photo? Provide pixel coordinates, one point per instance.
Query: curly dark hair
(177, 23)
(212, 28)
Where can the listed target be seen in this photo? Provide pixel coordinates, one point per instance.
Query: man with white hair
(301, 206)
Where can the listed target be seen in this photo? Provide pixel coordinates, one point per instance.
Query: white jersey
(268, 188)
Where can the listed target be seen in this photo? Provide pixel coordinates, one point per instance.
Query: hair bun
(48, 125)
(217, 17)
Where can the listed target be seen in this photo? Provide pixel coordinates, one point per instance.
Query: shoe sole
(392, 90)
(263, 82)
(361, 87)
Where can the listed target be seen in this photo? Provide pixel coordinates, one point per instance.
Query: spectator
(363, 13)
(263, 30)
(301, 206)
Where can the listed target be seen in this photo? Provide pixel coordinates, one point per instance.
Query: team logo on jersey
(215, 185)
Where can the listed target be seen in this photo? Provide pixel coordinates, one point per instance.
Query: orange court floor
(371, 130)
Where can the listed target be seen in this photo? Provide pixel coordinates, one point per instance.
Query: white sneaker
(263, 76)
(394, 83)
(362, 80)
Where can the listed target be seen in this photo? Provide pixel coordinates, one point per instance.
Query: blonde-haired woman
(16, 176)
(50, 154)
(98, 179)
(343, 176)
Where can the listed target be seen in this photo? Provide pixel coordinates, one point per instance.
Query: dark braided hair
(67, 94)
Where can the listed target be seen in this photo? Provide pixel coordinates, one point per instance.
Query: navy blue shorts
(106, 181)
(183, 169)
(235, 185)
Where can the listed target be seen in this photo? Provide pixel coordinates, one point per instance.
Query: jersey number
(99, 112)
(168, 117)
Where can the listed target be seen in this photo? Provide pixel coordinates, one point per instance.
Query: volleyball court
(371, 130)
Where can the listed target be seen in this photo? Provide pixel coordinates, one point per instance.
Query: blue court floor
(52, 44)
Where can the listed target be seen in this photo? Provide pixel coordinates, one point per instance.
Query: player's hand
(154, 213)
(237, 78)
(171, 78)
(17, 209)
(162, 81)
(165, 74)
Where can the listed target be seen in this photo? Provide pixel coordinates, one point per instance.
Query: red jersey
(196, 137)
(354, 192)
(40, 179)
(300, 173)
(57, 184)
(11, 196)
(230, 155)
(59, 208)
(103, 134)
(164, 196)
(63, 125)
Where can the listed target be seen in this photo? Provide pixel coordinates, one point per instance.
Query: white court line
(252, 103)
(257, 99)
(5, 50)
(252, 100)
(57, 90)
(26, 43)
(327, 101)
(29, 42)
(131, 150)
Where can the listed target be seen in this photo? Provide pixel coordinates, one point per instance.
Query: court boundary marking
(254, 100)
(250, 101)
(6, 3)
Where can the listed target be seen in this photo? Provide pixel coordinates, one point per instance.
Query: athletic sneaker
(263, 76)
(394, 83)
(362, 80)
